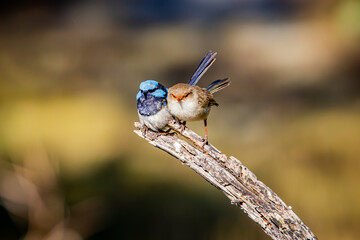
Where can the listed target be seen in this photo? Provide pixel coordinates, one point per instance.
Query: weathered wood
(235, 180)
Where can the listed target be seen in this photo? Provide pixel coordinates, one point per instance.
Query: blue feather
(203, 67)
(151, 97)
(148, 85)
(160, 93)
(217, 85)
(150, 106)
(138, 95)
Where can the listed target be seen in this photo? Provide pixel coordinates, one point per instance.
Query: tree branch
(235, 180)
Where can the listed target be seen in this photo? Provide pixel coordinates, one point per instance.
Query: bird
(152, 106)
(188, 102)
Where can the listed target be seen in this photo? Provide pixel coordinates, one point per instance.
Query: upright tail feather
(217, 85)
(208, 60)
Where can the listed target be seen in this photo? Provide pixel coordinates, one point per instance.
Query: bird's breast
(150, 105)
(188, 110)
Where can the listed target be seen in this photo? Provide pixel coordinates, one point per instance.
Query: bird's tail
(218, 85)
(208, 60)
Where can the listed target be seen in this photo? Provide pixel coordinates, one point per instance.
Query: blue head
(153, 88)
(151, 97)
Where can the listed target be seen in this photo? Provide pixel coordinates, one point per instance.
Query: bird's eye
(186, 95)
(173, 96)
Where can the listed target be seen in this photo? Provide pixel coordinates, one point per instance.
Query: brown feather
(205, 98)
(180, 89)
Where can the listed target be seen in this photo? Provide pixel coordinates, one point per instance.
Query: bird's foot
(182, 127)
(205, 143)
(144, 130)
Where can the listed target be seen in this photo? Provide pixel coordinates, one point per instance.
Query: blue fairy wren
(188, 102)
(151, 105)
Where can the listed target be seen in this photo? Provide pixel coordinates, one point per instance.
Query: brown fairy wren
(188, 102)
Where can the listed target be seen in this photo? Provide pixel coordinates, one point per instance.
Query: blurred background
(72, 168)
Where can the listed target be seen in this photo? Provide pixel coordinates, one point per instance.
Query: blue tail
(218, 85)
(208, 60)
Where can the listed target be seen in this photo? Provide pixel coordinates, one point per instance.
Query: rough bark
(235, 180)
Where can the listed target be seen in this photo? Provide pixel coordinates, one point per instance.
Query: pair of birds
(186, 102)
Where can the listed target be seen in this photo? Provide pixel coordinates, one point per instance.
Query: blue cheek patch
(138, 95)
(159, 93)
(148, 85)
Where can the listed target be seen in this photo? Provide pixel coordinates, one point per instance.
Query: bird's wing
(205, 98)
(212, 101)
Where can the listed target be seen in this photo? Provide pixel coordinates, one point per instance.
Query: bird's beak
(178, 99)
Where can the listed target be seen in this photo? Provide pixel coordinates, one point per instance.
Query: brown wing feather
(212, 101)
(205, 98)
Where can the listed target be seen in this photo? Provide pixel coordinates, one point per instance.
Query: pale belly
(157, 121)
(188, 111)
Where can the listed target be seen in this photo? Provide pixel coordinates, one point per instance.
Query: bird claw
(205, 143)
(144, 130)
(182, 128)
